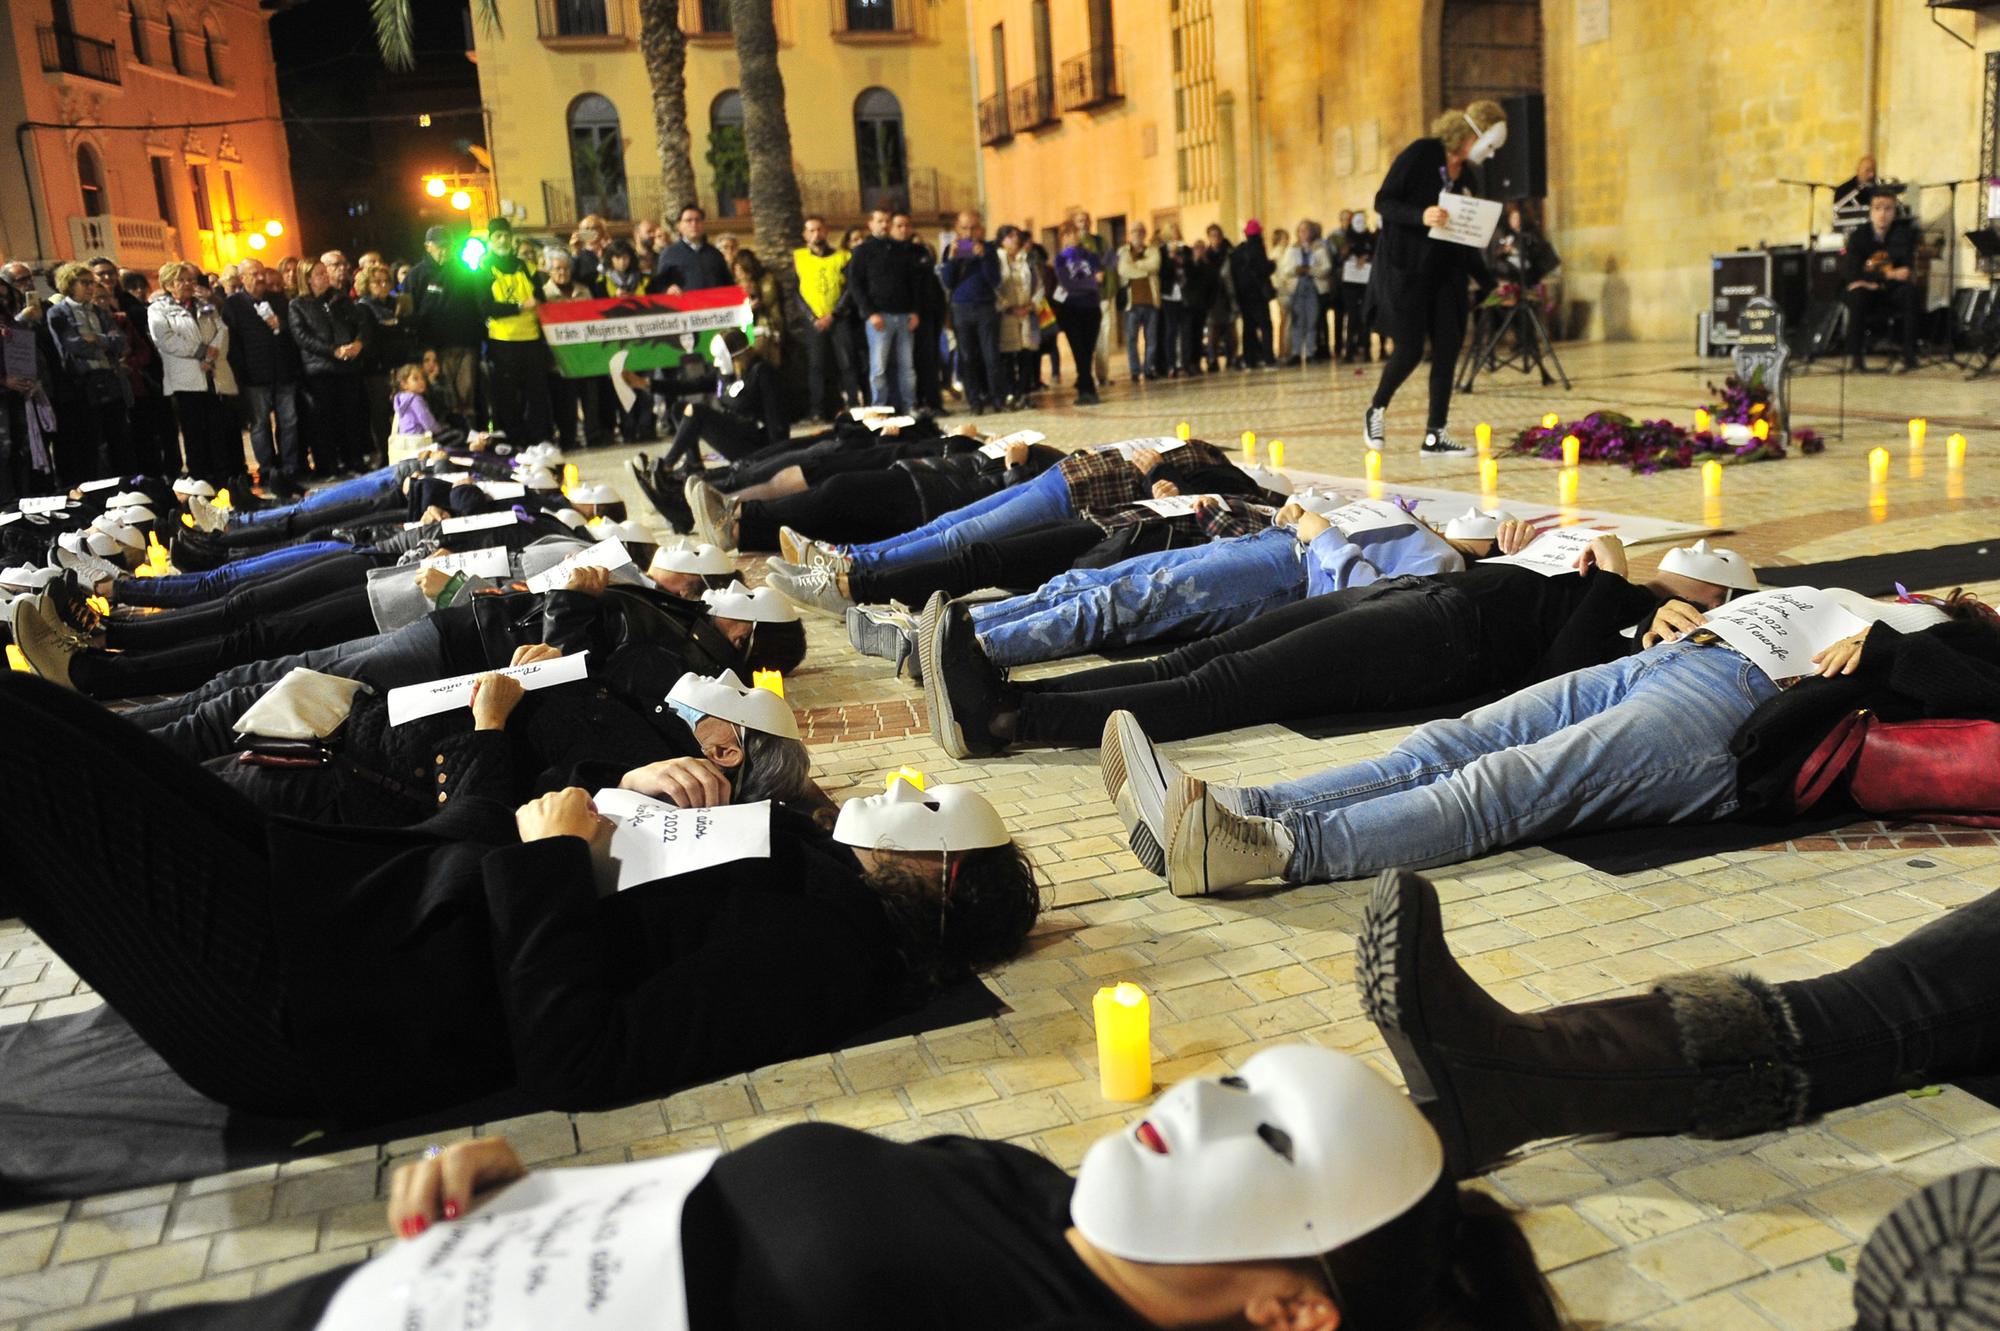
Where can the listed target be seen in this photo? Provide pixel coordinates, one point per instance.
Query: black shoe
(192, 554)
(1934, 1261)
(71, 599)
(1439, 444)
(1088, 399)
(669, 502)
(962, 687)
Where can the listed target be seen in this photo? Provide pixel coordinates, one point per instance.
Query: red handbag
(1937, 771)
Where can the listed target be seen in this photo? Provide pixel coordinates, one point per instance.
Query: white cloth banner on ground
(1553, 553)
(1471, 220)
(1782, 630)
(500, 490)
(652, 839)
(597, 1247)
(476, 522)
(1438, 507)
(414, 701)
(605, 554)
(489, 562)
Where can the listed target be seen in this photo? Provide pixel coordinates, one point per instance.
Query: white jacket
(181, 338)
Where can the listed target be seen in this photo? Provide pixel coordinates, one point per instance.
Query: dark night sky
(358, 186)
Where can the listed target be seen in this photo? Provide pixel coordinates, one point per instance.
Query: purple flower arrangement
(1660, 445)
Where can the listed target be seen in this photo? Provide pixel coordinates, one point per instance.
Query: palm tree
(663, 46)
(775, 208)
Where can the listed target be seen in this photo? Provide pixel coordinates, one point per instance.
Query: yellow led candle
(1181, 431)
(1124, 1042)
(1249, 445)
(1551, 421)
(1373, 465)
(16, 661)
(156, 554)
(1701, 423)
(1566, 485)
(909, 774)
(1482, 435)
(570, 477)
(1954, 451)
(1711, 479)
(1277, 452)
(221, 500)
(771, 681)
(1489, 475)
(1762, 429)
(1572, 450)
(1878, 465)
(1919, 428)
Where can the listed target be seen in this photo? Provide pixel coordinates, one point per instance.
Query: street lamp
(255, 240)
(434, 187)
(461, 201)
(273, 228)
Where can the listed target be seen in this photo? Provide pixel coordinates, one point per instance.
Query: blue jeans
(178, 589)
(978, 329)
(1636, 741)
(380, 488)
(1188, 593)
(259, 401)
(1017, 508)
(1141, 319)
(892, 350)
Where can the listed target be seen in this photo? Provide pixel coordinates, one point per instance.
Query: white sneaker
(1210, 848)
(1372, 426)
(207, 517)
(814, 588)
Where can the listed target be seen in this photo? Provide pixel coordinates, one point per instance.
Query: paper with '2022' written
(597, 1247)
(1782, 630)
(652, 839)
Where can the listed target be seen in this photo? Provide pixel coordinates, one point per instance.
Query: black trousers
(1256, 332)
(1079, 319)
(827, 369)
(161, 903)
(336, 421)
(1353, 651)
(1354, 342)
(1437, 313)
(329, 620)
(1868, 306)
(571, 398)
(520, 372)
(1020, 562)
(251, 599)
(207, 424)
(850, 508)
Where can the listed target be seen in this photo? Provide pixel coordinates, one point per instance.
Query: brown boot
(1707, 1055)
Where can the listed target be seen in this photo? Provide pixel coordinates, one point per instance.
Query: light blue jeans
(1637, 741)
(1188, 593)
(891, 351)
(178, 589)
(381, 488)
(1141, 319)
(1002, 513)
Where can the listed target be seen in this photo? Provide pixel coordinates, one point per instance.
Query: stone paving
(1758, 1233)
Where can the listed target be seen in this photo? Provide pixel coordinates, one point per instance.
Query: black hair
(690, 207)
(620, 246)
(991, 902)
(779, 647)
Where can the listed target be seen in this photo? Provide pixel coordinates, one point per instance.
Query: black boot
(1934, 1261)
(1706, 1055)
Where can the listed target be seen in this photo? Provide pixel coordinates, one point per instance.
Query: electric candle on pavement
(1277, 452)
(1711, 478)
(1373, 465)
(1482, 434)
(1551, 421)
(909, 774)
(571, 476)
(1249, 445)
(1954, 451)
(1124, 1042)
(1572, 450)
(1762, 429)
(771, 681)
(1701, 422)
(1181, 431)
(1919, 428)
(1878, 465)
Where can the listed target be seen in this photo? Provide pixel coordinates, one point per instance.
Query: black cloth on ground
(1942, 566)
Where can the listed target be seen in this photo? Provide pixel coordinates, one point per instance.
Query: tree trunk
(663, 46)
(775, 208)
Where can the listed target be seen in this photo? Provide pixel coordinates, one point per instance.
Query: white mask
(570, 518)
(942, 818)
(763, 606)
(682, 557)
(1473, 525)
(627, 531)
(186, 486)
(593, 495)
(1488, 142)
(1304, 1150)
(1703, 563)
(727, 698)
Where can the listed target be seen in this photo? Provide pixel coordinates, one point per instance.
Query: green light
(474, 252)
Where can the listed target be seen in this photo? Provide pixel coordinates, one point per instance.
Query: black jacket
(1952, 670)
(1250, 270)
(1408, 263)
(1900, 244)
(259, 356)
(957, 479)
(884, 277)
(318, 325)
(387, 334)
(446, 303)
(682, 265)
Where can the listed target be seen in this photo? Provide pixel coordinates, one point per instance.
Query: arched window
(211, 40)
(90, 182)
(175, 52)
(878, 150)
(597, 158)
(138, 26)
(728, 154)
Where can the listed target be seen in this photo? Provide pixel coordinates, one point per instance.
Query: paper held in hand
(413, 701)
(597, 1247)
(499, 490)
(1781, 631)
(1471, 221)
(998, 448)
(490, 562)
(1128, 447)
(1176, 506)
(605, 554)
(1553, 553)
(652, 839)
(476, 522)
(1366, 515)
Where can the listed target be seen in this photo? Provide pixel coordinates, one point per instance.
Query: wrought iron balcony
(584, 21)
(1092, 79)
(994, 127)
(1032, 105)
(67, 52)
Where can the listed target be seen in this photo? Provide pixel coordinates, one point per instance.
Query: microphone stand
(1812, 189)
(1951, 240)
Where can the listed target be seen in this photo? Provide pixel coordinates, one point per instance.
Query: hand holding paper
(1468, 221)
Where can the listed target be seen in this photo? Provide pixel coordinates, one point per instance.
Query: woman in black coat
(331, 334)
(365, 975)
(1417, 286)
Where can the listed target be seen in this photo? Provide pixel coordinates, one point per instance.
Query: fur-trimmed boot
(1706, 1055)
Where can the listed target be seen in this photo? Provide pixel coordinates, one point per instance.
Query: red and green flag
(638, 333)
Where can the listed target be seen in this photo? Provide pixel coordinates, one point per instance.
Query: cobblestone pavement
(1659, 1233)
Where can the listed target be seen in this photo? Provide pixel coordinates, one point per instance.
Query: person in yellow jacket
(822, 269)
(516, 357)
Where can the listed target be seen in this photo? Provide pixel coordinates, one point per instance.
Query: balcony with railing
(1092, 79)
(873, 20)
(581, 22)
(994, 126)
(66, 52)
(1032, 105)
(131, 242)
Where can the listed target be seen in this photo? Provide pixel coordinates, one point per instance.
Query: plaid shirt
(1237, 515)
(1100, 479)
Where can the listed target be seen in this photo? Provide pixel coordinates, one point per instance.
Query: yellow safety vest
(822, 279)
(516, 288)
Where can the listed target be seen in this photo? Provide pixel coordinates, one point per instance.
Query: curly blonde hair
(1455, 129)
(170, 273)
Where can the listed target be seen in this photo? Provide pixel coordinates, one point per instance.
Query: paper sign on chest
(1553, 553)
(1781, 631)
(652, 839)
